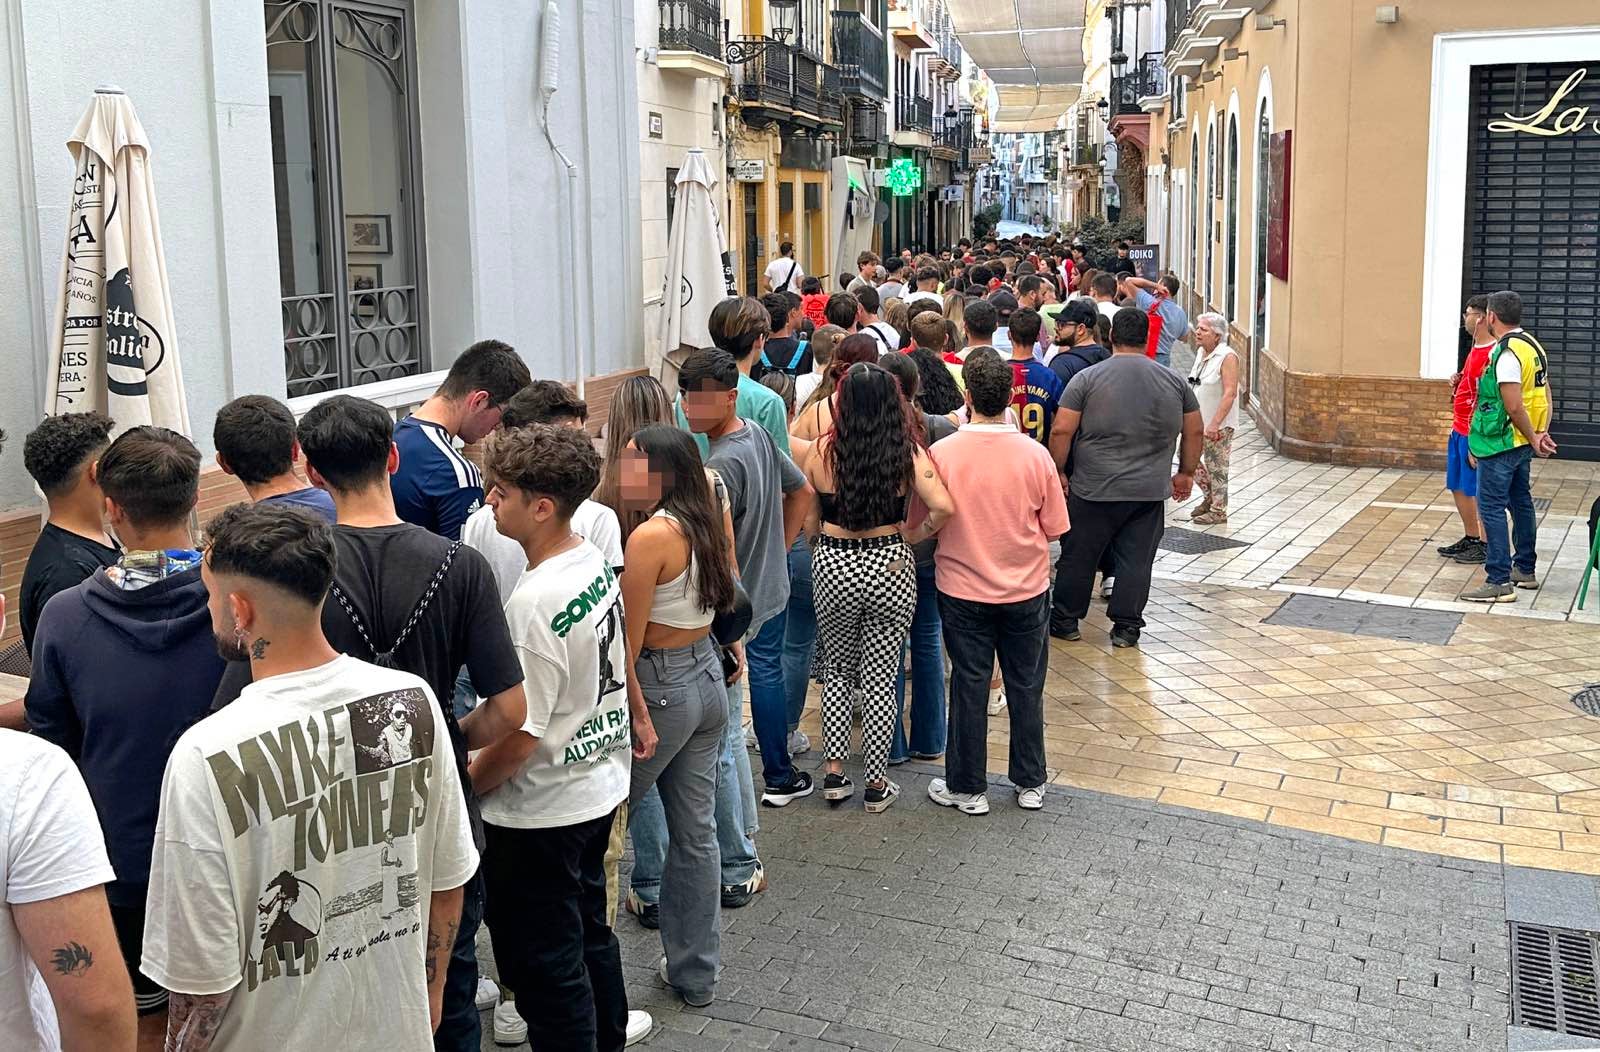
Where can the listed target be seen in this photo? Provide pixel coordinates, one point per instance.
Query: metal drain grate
(1587, 700)
(1553, 973)
(1193, 542)
(1366, 619)
(1541, 504)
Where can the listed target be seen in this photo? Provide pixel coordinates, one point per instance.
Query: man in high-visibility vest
(1510, 426)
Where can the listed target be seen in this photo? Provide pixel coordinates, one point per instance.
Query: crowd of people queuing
(280, 775)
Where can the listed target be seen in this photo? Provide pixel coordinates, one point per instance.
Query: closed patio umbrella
(698, 271)
(113, 347)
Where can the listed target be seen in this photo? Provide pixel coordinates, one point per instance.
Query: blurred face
(707, 409)
(639, 487)
(1206, 336)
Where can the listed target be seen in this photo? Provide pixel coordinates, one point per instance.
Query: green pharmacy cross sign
(904, 178)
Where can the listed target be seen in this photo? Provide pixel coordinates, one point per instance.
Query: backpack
(386, 659)
(794, 363)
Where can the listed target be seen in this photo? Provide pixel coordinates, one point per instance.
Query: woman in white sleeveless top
(1215, 379)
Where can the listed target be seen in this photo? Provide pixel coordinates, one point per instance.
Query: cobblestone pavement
(1097, 924)
(1370, 534)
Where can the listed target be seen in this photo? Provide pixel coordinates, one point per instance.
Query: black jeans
(460, 1026)
(973, 634)
(547, 920)
(1130, 530)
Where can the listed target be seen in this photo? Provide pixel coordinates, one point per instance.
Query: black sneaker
(1475, 553)
(878, 798)
(1459, 546)
(649, 913)
(1067, 630)
(1123, 636)
(736, 895)
(836, 787)
(780, 796)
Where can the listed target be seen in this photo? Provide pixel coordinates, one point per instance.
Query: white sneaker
(1031, 799)
(966, 803)
(639, 1026)
(799, 743)
(509, 1028)
(997, 700)
(1106, 584)
(488, 993)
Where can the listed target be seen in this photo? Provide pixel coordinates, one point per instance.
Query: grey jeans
(688, 705)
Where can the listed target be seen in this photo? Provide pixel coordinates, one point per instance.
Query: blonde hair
(897, 314)
(955, 310)
(824, 342)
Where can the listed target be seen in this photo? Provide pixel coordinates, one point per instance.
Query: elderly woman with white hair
(1215, 379)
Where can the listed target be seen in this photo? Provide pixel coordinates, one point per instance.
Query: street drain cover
(1553, 973)
(1366, 619)
(1541, 504)
(1588, 699)
(1193, 542)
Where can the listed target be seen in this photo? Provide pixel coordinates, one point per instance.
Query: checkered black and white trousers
(866, 593)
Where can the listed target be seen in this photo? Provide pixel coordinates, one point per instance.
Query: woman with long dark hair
(864, 471)
(816, 416)
(638, 402)
(679, 574)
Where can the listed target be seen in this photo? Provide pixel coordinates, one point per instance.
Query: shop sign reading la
(1569, 121)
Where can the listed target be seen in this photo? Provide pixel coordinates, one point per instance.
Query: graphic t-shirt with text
(302, 834)
(1035, 392)
(566, 624)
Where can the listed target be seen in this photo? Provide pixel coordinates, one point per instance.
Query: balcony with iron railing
(913, 115)
(1177, 19)
(868, 127)
(861, 55)
(1138, 80)
(786, 78)
(692, 25)
(953, 132)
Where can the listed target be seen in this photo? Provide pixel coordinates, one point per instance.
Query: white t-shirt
(804, 385)
(1208, 370)
(886, 336)
(931, 297)
(566, 624)
(50, 846)
(593, 521)
(1508, 369)
(278, 814)
(1107, 307)
(778, 269)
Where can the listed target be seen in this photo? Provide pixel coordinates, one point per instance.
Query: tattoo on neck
(72, 959)
(258, 649)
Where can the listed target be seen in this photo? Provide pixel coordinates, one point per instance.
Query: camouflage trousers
(1212, 477)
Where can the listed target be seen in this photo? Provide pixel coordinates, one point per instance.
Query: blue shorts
(1459, 475)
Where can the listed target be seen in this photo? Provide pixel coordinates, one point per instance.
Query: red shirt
(1467, 390)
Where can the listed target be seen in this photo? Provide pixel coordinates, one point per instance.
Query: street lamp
(783, 17)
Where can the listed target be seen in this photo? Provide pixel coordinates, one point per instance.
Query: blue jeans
(1503, 483)
(769, 704)
(800, 631)
(927, 678)
(735, 811)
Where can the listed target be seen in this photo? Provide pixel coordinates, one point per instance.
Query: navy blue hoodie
(117, 677)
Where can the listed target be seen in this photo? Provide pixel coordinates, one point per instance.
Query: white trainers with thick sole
(997, 701)
(1031, 799)
(966, 803)
(488, 993)
(509, 1029)
(639, 1026)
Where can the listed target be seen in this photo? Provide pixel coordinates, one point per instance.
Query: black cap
(1078, 312)
(1004, 303)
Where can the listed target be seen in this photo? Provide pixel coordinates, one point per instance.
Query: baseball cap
(1077, 312)
(1004, 304)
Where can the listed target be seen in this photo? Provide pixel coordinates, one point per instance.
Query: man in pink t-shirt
(992, 568)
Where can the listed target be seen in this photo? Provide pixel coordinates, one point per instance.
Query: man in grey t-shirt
(1115, 431)
(768, 497)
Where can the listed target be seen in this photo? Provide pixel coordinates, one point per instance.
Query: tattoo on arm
(193, 1020)
(258, 649)
(433, 956)
(73, 959)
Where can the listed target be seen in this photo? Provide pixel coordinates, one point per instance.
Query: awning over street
(1033, 52)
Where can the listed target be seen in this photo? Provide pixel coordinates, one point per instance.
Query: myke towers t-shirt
(566, 624)
(302, 833)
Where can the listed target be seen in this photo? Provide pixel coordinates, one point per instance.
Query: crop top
(830, 512)
(676, 603)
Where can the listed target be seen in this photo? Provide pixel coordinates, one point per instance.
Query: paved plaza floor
(1270, 827)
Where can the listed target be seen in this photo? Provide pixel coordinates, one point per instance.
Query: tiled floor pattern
(1471, 750)
(1370, 534)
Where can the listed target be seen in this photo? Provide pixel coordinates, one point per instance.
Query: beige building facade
(1340, 175)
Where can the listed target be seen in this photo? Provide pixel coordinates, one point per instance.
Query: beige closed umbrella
(114, 345)
(699, 274)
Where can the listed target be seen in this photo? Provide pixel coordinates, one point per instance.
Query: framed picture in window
(365, 281)
(368, 233)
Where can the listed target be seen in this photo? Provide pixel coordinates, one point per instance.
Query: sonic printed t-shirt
(566, 623)
(302, 834)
